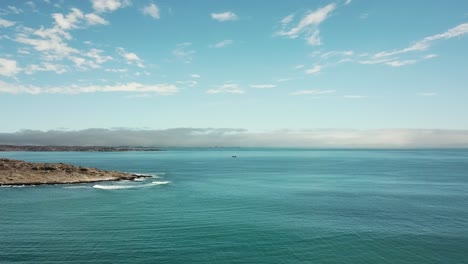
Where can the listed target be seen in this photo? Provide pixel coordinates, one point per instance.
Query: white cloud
(313, 92)
(14, 10)
(225, 16)
(425, 43)
(23, 51)
(226, 88)
(94, 19)
(374, 61)
(262, 86)
(76, 17)
(52, 43)
(31, 4)
(189, 83)
(194, 75)
(109, 5)
(183, 52)
(8, 67)
(6, 23)
(151, 10)
(430, 56)
(314, 39)
(284, 80)
(314, 70)
(397, 63)
(116, 70)
(96, 55)
(355, 96)
(130, 57)
(347, 2)
(222, 44)
(335, 53)
(287, 19)
(83, 63)
(163, 89)
(45, 67)
(307, 26)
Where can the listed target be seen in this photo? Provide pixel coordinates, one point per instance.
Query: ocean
(265, 206)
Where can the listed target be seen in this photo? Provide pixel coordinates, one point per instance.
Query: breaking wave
(119, 187)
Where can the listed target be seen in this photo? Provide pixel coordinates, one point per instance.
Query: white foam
(115, 187)
(140, 179)
(119, 187)
(15, 186)
(160, 182)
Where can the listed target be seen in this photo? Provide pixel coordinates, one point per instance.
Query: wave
(113, 187)
(140, 179)
(160, 182)
(119, 187)
(15, 186)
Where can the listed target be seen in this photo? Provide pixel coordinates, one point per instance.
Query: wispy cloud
(425, 43)
(194, 75)
(130, 57)
(52, 43)
(313, 92)
(430, 56)
(151, 10)
(307, 26)
(224, 16)
(354, 96)
(262, 86)
(13, 10)
(184, 52)
(397, 63)
(6, 23)
(226, 88)
(164, 89)
(314, 70)
(284, 80)
(222, 44)
(46, 66)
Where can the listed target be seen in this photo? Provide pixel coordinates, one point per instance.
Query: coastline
(22, 173)
(5, 148)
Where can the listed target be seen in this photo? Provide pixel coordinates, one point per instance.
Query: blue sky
(256, 65)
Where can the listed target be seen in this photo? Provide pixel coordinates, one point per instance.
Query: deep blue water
(266, 206)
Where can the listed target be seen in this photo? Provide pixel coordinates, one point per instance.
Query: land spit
(17, 172)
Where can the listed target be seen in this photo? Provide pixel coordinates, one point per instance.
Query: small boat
(234, 156)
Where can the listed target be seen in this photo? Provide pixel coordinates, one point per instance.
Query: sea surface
(265, 206)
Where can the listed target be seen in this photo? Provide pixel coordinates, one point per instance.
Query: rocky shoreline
(73, 148)
(17, 172)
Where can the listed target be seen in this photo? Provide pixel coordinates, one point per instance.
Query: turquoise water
(266, 206)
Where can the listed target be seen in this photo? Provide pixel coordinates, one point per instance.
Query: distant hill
(74, 148)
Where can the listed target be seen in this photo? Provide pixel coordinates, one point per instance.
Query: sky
(259, 66)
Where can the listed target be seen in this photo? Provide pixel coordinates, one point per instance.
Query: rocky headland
(17, 172)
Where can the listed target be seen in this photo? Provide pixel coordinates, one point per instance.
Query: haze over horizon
(235, 73)
(225, 137)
